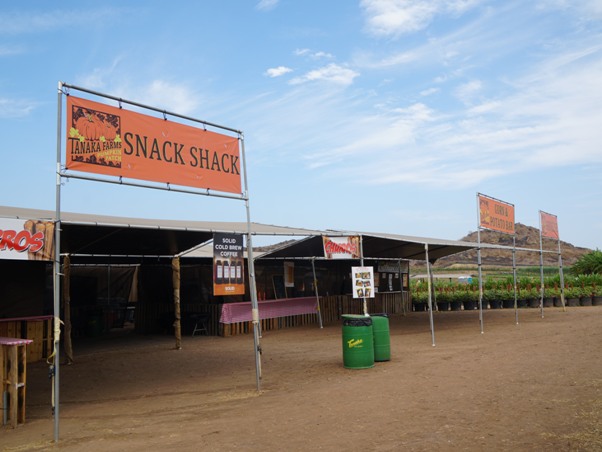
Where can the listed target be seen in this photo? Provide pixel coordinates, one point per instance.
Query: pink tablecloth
(14, 341)
(268, 309)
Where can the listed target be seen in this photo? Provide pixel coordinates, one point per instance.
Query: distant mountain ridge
(526, 237)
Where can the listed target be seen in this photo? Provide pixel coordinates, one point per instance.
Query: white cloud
(21, 23)
(266, 5)
(548, 118)
(319, 55)
(10, 108)
(467, 91)
(331, 73)
(392, 18)
(99, 77)
(429, 91)
(586, 9)
(278, 71)
(313, 55)
(169, 96)
(8, 50)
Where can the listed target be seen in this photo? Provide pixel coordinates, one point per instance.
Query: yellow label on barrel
(355, 343)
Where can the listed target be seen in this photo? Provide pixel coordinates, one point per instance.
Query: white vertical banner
(289, 274)
(363, 282)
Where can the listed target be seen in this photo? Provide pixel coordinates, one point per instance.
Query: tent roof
(380, 246)
(88, 234)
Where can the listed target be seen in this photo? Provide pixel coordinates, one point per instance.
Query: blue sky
(369, 115)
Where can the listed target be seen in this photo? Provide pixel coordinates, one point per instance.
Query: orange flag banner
(496, 215)
(549, 225)
(108, 140)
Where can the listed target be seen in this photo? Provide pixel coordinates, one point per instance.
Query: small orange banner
(107, 140)
(549, 225)
(496, 215)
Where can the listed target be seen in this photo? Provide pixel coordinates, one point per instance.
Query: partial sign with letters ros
(228, 264)
(108, 140)
(26, 239)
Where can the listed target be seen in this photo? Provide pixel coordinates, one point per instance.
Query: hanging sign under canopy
(346, 247)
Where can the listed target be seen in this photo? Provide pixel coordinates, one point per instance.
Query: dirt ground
(532, 386)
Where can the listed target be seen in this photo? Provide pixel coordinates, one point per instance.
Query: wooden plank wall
(38, 330)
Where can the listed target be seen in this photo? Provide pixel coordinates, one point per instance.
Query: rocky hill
(526, 237)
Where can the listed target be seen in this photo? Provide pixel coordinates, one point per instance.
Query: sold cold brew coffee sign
(107, 140)
(228, 264)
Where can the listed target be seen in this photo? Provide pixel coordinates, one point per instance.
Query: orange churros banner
(549, 225)
(26, 239)
(107, 140)
(496, 215)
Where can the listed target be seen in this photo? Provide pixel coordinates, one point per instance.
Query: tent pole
(561, 276)
(251, 262)
(403, 304)
(313, 267)
(430, 287)
(514, 276)
(361, 265)
(479, 265)
(56, 267)
(542, 288)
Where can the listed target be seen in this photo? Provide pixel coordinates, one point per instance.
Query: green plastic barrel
(358, 342)
(382, 338)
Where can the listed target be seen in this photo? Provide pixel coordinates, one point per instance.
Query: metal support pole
(542, 288)
(561, 277)
(57, 269)
(313, 267)
(430, 287)
(251, 265)
(514, 278)
(362, 264)
(479, 265)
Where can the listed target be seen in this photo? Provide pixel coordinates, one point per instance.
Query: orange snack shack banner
(108, 140)
(496, 215)
(26, 239)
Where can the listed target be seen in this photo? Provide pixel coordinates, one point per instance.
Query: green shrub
(588, 264)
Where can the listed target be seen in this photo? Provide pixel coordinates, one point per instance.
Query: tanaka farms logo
(95, 137)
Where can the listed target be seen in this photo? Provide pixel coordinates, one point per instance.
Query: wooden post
(67, 309)
(13, 368)
(175, 266)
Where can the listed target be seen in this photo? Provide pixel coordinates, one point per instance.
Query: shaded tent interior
(118, 264)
